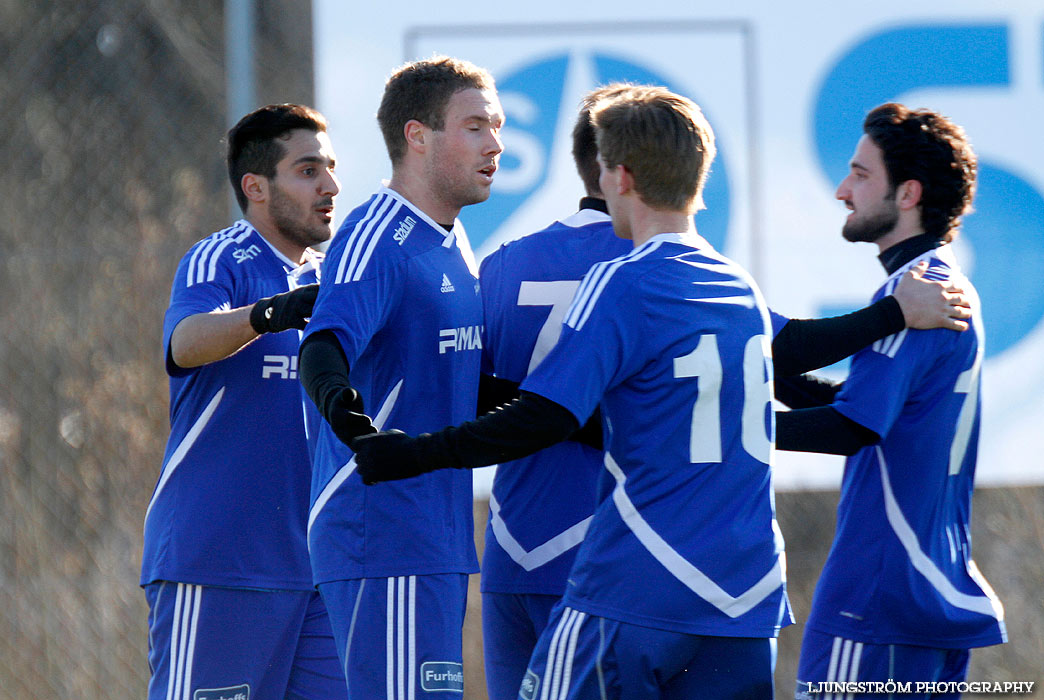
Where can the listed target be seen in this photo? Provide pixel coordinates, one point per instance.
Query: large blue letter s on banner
(1005, 231)
(533, 98)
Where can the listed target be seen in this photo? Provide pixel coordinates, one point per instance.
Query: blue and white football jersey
(541, 505)
(900, 570)
(400, 295)
(673, 340)
(230, 504)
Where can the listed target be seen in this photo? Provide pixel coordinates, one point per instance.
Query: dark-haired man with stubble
(900, 598)
(232, 608)
(395, 342)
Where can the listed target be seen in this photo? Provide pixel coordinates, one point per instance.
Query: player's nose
(495, 145)
(329, 185)
(843, 191)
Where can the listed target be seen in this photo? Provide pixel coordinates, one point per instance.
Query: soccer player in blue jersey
(900, 597)
(232, 608)
(678, 588)
(395, 342)
(540, 507)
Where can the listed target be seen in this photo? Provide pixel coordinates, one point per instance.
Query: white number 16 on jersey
(705, 435)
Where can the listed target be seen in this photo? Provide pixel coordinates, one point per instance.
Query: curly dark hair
(926, 146)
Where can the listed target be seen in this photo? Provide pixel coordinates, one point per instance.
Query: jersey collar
(585, 217)
(943, 253)
(449, 236)
(455, 235)
(312, 259)
(904, 251)
(596, 203)
(689, 238)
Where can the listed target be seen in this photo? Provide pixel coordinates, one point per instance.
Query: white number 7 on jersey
(967, 384)
(558, 295)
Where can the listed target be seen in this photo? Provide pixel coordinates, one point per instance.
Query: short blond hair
(662, 138)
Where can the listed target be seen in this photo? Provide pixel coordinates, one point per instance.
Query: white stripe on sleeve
(367, 221)
(587, 295)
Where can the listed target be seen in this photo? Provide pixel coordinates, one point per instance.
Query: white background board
(785, 86)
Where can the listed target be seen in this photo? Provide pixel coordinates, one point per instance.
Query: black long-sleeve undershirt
(323, 370)
(806, 391)
(526, 423)
(814, 425)
(822, 430)
(801, 346)
(518, 429)
(531, 423)
(805, 344)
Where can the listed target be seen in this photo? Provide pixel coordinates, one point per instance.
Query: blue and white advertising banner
(785, 87)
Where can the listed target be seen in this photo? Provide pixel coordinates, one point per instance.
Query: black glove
(346, 418)
(284, 311)
(387, 456)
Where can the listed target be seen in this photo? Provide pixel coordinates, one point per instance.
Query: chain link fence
(113, 111)
(113, 167)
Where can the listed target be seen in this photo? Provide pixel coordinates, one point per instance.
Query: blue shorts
(400, 638)
(511, 625)
(828, 659)
(207, 643)
(585, 656)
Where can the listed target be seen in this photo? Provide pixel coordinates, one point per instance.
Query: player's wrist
(349, 425)
(284, 311)
(261, 315)
(390, 456)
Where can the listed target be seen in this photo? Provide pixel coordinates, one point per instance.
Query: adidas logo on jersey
(447, 286)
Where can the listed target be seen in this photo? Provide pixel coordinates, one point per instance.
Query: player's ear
(625, 179)
(255, 187)
(415, 134)
(908, 194)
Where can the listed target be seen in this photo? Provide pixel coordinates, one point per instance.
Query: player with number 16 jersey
(673, 340)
